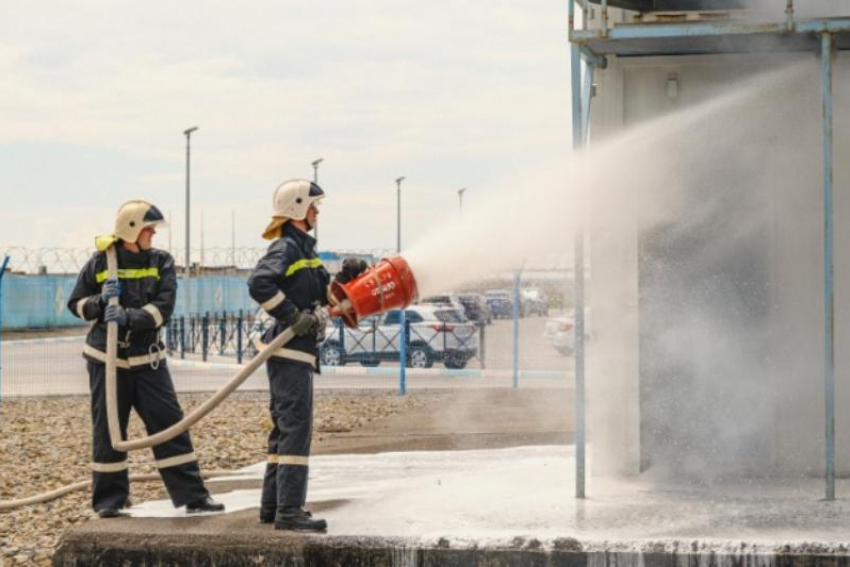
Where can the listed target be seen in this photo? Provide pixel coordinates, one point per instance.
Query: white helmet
(133, 216)
(293, 198)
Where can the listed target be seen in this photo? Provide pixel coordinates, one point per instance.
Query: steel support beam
(593, 59)
(829, 304)
(695, 29)
(516, 315)
(2, 271)
(578, 142)
(586, 97)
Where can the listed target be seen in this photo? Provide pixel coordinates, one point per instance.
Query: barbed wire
(71, 260)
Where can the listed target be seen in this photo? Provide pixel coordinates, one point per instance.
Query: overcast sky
(95, 96)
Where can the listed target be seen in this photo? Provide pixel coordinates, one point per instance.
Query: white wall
(786, 384)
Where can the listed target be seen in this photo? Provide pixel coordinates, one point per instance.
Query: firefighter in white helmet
(291, 284)
(146, 289)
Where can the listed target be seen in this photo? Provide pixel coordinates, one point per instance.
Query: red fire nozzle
(388, 285)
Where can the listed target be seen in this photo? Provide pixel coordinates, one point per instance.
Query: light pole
(188, 134)
(316, 181)
(398, 214)
(233, 238)
(460, 193)
(402, 347)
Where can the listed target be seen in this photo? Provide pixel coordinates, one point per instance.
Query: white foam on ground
(492, 496)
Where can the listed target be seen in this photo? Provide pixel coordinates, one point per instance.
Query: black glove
(303, 323)
(115, 313)
(351, 268)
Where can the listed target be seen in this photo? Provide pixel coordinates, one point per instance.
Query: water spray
(388, 285)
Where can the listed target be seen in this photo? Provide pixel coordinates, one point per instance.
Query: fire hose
(397, 288)
(198, 413)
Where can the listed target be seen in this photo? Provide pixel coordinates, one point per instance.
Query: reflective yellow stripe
(81, 305)
(154, 312)
(289, 460)
(129, 274)
(293, 354)
(100, 356)
(288, 353)
(176, 460)
(110, 467)
(276, 300)
(301, 264)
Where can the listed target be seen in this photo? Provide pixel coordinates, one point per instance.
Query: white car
(437, 334)
(559, 332)
(534, 302)
(445, 299)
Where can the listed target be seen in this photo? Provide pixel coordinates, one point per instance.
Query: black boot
(267, 514)
(294, 518)
(205, 504)
(111, 513)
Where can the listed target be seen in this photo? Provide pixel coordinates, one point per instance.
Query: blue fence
(214, 293)
(39, 302)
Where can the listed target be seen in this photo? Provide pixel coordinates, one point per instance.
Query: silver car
(437, 334)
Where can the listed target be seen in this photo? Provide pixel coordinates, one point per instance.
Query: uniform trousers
(151, 392)
(291, 389)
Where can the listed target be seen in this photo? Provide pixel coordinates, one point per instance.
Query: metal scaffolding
(589, 49)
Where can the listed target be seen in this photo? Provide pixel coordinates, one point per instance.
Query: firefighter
(291, 284)
(146, 288)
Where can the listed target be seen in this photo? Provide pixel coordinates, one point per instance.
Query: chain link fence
(64, 261)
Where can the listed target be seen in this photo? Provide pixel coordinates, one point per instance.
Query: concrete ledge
(81, 549)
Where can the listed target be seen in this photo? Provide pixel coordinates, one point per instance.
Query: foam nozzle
(388, 285)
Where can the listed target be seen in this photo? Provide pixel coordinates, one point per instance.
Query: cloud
(448, 95)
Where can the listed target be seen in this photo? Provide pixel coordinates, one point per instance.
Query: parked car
(559, 332)
(475, 308)
(437, 334)
(500, 303)
(534, 302)
(254, 335)
(445, 299)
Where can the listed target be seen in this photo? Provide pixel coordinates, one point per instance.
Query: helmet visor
(315, 191)
(154, 217)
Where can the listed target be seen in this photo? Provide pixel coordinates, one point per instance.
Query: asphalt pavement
(54, 366)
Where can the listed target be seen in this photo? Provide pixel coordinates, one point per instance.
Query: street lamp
(188, 134)
(460, 193)
(316, 170)
(402, 350)
(398, 213)
(316, 181)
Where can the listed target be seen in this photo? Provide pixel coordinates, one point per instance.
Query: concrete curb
(286, 548)
(391, 371)
(44, 341)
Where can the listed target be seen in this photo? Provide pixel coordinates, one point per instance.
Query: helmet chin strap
(310, 226)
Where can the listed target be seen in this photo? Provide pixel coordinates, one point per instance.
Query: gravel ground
(46, 443)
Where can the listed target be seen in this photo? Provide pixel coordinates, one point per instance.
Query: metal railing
(217, 334)
(237, 335)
